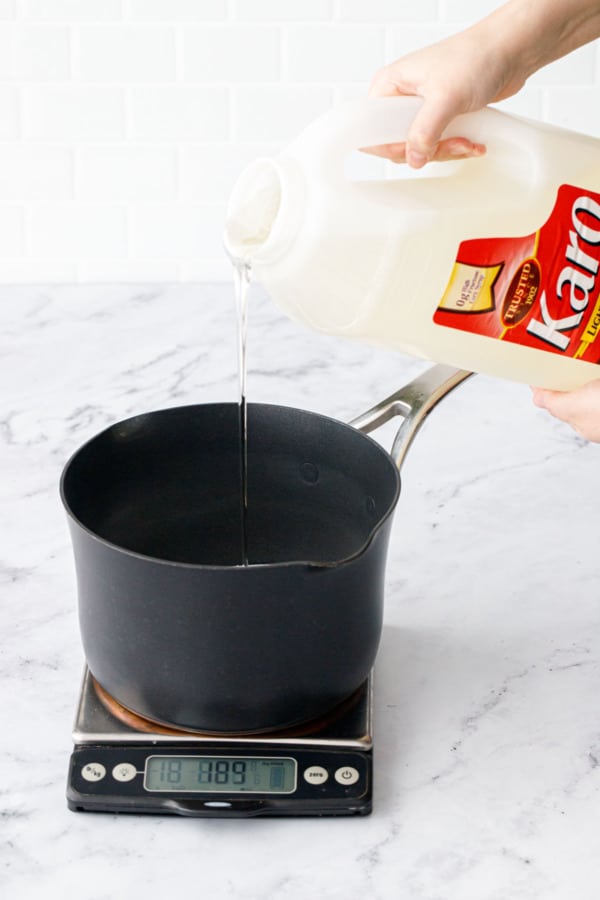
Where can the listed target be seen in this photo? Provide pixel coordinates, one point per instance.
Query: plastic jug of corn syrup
(489, 264)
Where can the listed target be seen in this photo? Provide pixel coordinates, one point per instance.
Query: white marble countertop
(487, 703)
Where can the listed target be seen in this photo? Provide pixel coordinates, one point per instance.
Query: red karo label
(541, 291)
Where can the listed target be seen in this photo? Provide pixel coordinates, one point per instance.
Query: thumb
(427, 128)
(547, 399)
(579, 408)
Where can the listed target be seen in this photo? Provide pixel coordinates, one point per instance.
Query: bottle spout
(252, 209)
(260, 212)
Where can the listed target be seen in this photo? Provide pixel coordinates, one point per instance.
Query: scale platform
(122, 763)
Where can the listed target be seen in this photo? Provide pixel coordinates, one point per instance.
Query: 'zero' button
(346, 775)
(316, 775)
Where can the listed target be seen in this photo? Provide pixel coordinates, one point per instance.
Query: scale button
(124, 772)
(346, 775)
(316, 775)
(93, 771)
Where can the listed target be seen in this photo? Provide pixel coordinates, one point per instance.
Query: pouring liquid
(241, 276)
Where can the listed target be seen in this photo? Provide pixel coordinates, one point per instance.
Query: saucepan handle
(413, 403)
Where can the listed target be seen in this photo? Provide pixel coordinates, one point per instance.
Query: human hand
(458, 75)
(579, 408)
(487, 62)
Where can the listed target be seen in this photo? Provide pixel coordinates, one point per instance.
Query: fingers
(425, 133)
(452, 148)
(445, 151)
(394, 152)
(424, 141)
(402, 78)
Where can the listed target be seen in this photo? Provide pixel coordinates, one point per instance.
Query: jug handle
(325, 144)
(413, 403)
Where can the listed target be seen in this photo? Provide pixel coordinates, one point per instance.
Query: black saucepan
(173, 625)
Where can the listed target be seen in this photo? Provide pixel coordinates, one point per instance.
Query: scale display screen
(214, 774)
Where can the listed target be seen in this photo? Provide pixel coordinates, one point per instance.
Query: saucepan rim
(239, 567)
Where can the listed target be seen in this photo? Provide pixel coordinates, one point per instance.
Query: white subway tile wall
(124, 123)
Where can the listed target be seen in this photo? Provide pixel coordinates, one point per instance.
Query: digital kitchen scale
(123, 763)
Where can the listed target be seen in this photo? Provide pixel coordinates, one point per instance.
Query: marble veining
(487, 718)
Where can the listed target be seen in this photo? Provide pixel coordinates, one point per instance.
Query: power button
(346, 775)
